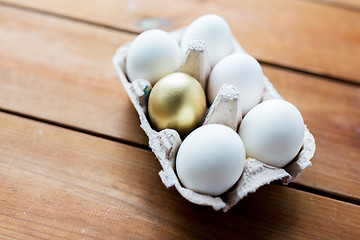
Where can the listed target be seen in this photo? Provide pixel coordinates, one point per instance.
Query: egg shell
(152, 55)
(273, 132)
(177, 101)
(216, 33)
(242, 71)
(211, 159)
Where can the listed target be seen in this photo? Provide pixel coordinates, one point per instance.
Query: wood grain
(349, 4)
(62, 72)
(298, 34)
(60, 184)
(71, 81)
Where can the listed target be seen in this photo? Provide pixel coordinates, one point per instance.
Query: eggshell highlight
(273, 132)
(242, 71)
(216, 33)
(211, 159)
(152, 55)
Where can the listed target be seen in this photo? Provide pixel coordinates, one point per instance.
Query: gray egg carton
(224, 111)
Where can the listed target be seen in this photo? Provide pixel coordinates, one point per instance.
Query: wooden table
(74, 163)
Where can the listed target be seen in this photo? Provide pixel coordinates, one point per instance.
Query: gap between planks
(300, 187)
(75, 128)
(117, 29)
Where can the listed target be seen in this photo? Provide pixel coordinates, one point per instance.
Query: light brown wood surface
(62, 178)
(349, 4)
(61, 71)
(60, 184)
(305, 35)
(74, 65)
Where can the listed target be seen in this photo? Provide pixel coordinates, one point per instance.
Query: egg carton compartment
(224, 110)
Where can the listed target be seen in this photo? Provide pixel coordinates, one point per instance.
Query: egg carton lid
(165, 143)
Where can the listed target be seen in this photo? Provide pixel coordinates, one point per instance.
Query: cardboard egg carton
(224, 111)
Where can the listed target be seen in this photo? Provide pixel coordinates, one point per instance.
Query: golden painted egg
(177, 101)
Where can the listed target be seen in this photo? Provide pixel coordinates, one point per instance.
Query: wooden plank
(62, 72)
(350, 4)
(298, 34)
(61, 184)
(71, 81)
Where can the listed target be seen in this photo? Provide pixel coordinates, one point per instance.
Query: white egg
(242, 71)
(273, 132)
(216, 33)
(211, 159)
(152, 55)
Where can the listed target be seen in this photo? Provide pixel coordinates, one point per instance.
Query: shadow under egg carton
(224, 110)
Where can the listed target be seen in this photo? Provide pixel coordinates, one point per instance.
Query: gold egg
(177, 101)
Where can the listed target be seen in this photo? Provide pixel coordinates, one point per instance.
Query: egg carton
(224, 111)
